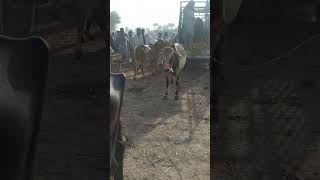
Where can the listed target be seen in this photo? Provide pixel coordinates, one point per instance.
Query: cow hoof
(176, 98)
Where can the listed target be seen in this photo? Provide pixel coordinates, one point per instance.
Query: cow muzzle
(167, 68)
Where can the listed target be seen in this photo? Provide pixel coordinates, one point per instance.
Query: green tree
(126, 29)
(155, 26)
(159, 28)
(115, 19)
(148, 30)
(170, 25)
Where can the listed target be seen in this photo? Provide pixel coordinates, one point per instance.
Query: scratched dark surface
(72, 133)
(269, 123)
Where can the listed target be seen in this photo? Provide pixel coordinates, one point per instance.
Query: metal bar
(1, 16)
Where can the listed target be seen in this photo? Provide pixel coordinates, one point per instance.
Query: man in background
(122, 45)
(138, 39)
(148, 40)
(131, 45)
(165, 37)
(159, 36)
(143, 36)
(112, 41)
(187, 25)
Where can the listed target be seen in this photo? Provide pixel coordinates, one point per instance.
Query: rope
(287, 54)
(290, 52)
(186, 82)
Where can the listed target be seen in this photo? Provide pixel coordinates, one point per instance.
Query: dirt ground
(72, 132)
(167, 139)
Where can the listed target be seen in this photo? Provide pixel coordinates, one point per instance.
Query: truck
(200, 50)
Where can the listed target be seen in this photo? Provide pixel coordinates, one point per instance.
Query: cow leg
(159, 69)
(177, 87)
(135, 69)
(142, 71)
(167, 86)
(153, 70)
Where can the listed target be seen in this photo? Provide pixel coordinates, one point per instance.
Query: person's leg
(185, 40)
(189, 43)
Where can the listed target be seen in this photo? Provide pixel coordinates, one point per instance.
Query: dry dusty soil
(167, 139)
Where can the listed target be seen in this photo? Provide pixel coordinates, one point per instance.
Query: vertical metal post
(35, 5)
(1, 16)
(179, 25)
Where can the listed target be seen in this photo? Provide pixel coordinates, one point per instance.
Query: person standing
(112, 41)
(206, 27)
(143, 36)
(165, 37)
(138, 39)
(159, 36)
(148, 40)
(187, 25)
(122, 45)
(131, 46)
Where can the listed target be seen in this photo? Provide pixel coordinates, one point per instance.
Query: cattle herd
(163, 56)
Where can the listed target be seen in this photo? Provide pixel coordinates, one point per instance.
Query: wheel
(119, 155)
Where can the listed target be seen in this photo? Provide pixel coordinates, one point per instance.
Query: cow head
(169, 59)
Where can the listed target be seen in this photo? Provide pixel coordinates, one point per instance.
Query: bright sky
(144, 13)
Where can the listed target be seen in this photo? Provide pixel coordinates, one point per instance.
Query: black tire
(119, 155)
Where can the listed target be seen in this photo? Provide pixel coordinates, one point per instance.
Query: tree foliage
(115, 19)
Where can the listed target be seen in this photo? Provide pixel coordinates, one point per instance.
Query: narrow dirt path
(167, 139)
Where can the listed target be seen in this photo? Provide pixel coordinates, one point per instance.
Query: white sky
(144, 13)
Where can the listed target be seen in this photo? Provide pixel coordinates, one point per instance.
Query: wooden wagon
(115, 63)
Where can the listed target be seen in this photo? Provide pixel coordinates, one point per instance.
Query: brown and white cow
(141, 57)
(173, 60)
(155, 53)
